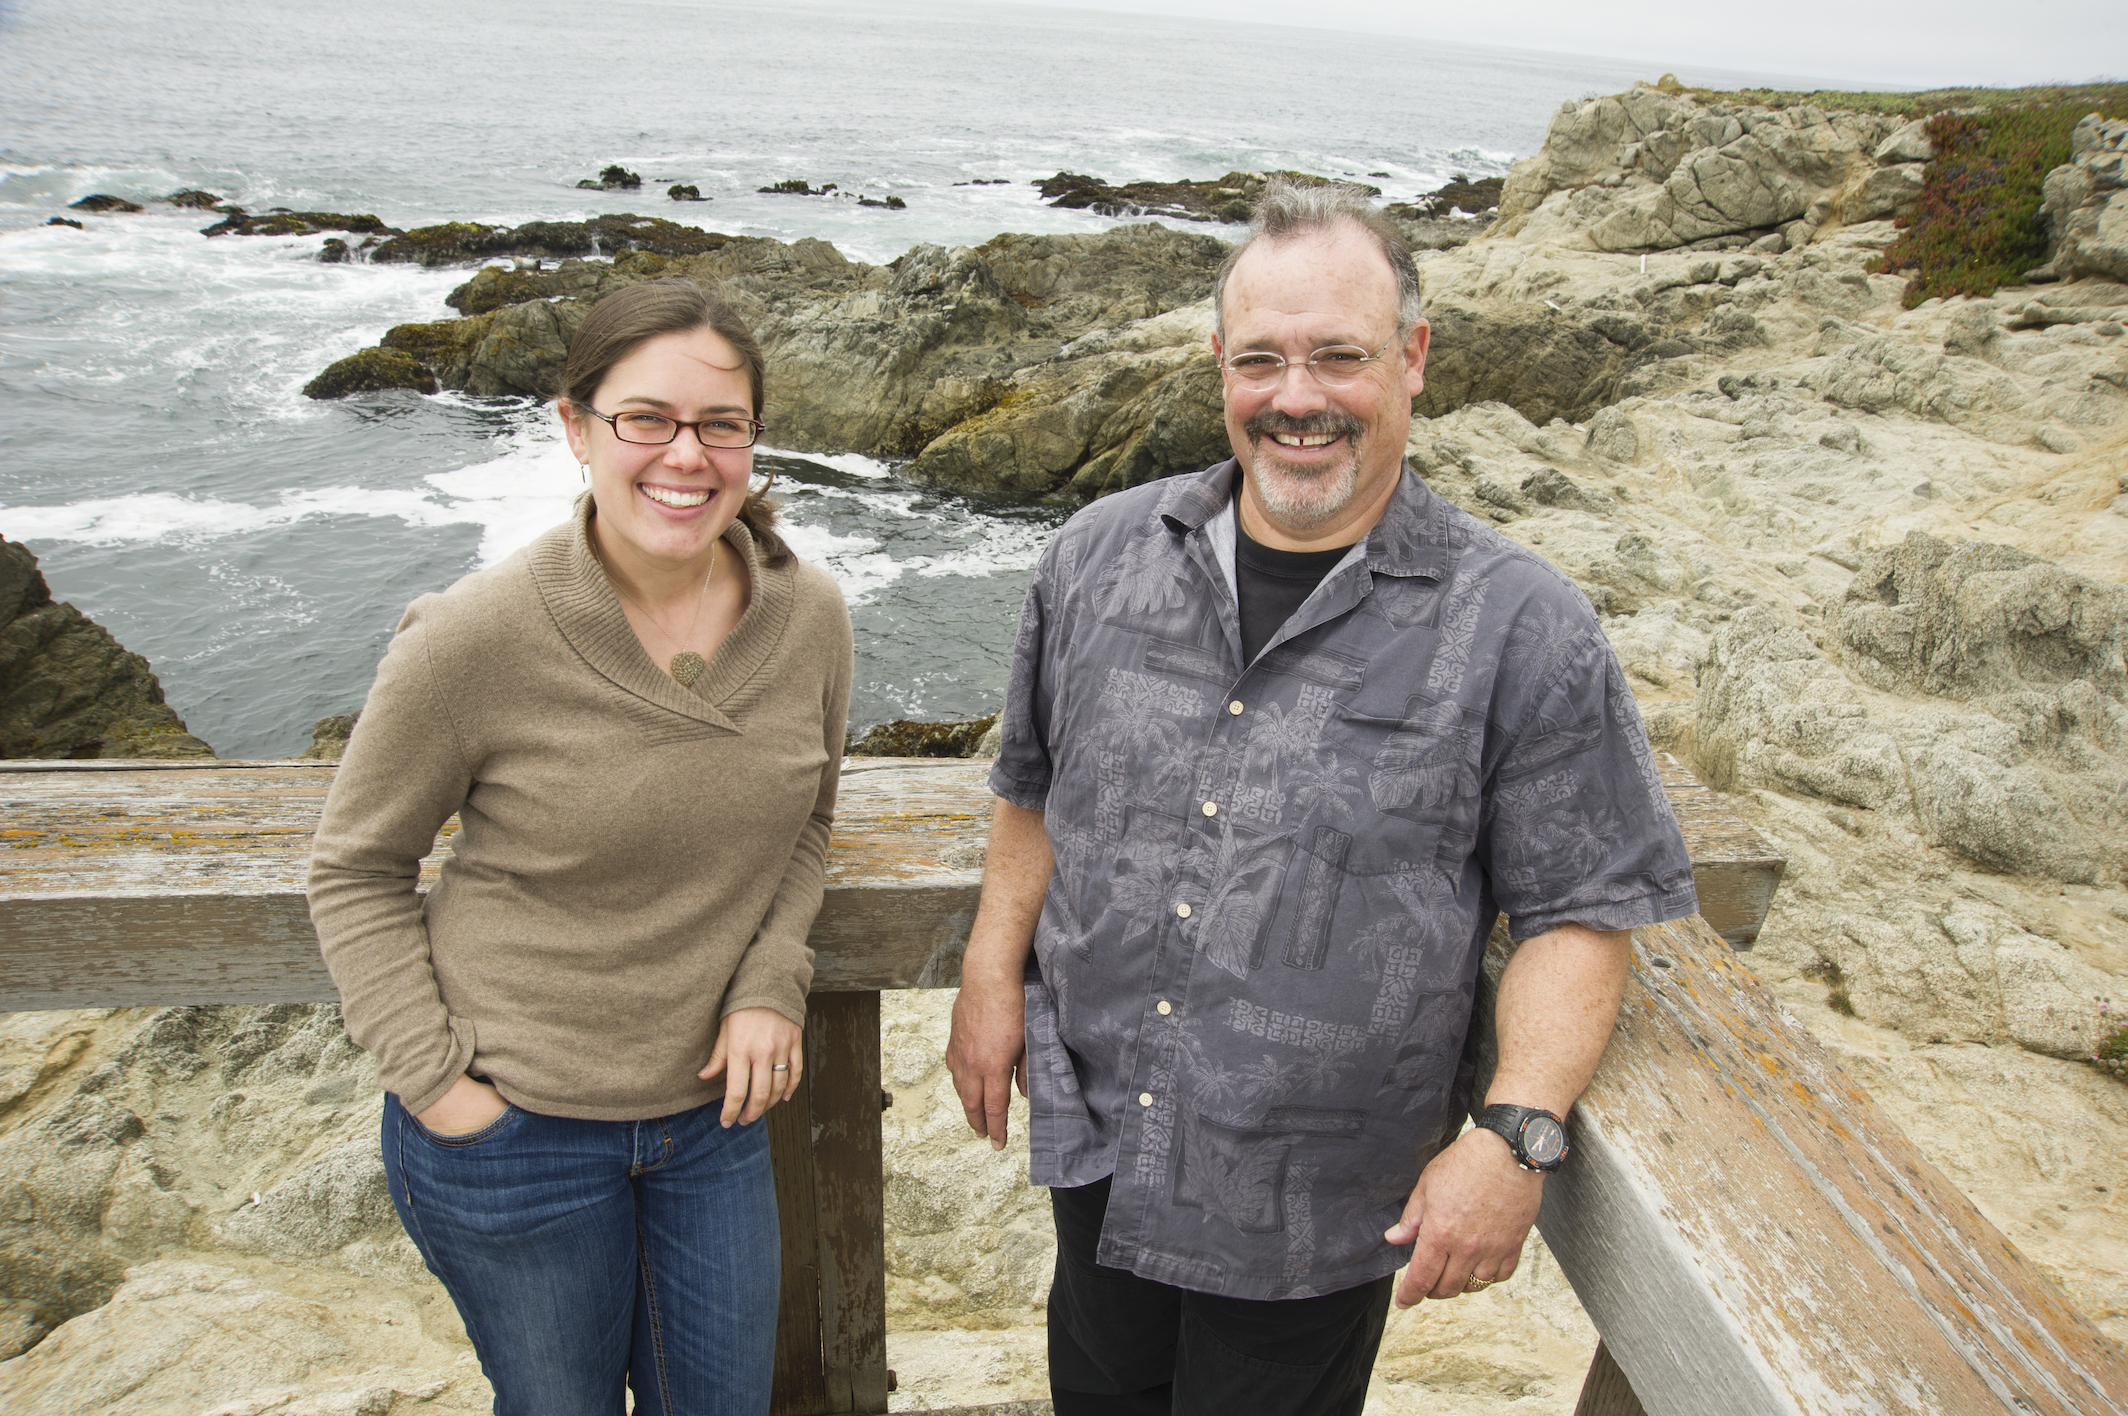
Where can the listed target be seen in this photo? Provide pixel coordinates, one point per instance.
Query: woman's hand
(464, 1109)
(750, 1044)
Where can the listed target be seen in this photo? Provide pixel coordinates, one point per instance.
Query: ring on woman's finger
(781, 1067)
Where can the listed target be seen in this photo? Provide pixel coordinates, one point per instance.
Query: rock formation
(282, 222)
(906, 737)
(369, 371)
(1227, 198)
(615, 178)
(887, 360)
(99, 202)
(463, 242)
(328, 737)
(2087, 203)
(67, 688)
(1649, 171)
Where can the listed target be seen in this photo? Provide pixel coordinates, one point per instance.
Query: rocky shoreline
(1863, 564)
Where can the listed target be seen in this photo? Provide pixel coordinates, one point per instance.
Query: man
(1281, 739)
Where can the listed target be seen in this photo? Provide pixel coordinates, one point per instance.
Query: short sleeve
(1577, 828)
(1023, 770)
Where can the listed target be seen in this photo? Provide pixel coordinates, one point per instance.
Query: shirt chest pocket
(1417, 774)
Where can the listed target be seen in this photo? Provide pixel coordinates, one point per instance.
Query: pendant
(687, 667)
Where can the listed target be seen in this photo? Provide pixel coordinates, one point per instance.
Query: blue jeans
(589, 1255)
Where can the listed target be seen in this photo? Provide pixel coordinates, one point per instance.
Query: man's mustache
(1269, 420)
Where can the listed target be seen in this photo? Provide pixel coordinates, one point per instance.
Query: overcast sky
(1932, 44)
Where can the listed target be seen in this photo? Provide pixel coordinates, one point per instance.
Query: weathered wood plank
(128, 884)
(1751, 1235)
(148, 885)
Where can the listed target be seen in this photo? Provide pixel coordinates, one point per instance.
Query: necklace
(687, 665)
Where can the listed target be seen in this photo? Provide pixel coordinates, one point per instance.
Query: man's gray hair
(1288, 210)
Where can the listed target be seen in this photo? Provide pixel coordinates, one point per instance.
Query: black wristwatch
(1537, 1137)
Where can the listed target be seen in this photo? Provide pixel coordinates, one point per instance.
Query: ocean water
(156, 452)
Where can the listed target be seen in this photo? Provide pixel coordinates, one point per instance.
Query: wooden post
(1605, 1391)
(831, 1331)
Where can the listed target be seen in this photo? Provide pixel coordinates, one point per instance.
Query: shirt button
(1182, 911)
(1235, 707)
(1163, 1007)
(1145, 1098)
(1211, 808)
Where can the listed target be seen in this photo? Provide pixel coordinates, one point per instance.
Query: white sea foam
(851, 463)
(1000, 549)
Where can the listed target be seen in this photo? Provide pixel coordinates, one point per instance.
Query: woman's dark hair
(634, 315)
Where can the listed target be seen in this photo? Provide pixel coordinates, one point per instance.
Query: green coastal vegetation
(2085, 98)
(1978, 226)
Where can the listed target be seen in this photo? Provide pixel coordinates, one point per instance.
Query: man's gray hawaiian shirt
(1254, 970)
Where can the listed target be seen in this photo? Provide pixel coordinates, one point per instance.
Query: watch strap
(1507, 1121)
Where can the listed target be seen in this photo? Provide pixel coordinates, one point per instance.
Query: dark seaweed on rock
(193, 198)
(1229, 198)
(465, 242)
(907, 737)
(282, 222)
(369, 371)
(98, 201)
(614, 178)
(67, 688)
(1462, 194)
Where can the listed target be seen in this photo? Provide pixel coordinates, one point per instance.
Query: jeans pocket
(494, 1128)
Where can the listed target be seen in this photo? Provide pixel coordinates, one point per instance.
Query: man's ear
(1415, 357)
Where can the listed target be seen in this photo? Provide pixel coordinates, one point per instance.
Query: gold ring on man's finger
(1475, 1284)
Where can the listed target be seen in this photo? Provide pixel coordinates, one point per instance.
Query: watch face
(1543, 1140)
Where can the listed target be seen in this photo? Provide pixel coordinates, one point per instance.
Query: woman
(638, 720)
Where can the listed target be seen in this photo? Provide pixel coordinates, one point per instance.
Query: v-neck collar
(588, 613)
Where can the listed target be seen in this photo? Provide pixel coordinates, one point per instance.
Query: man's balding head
(1289, 211)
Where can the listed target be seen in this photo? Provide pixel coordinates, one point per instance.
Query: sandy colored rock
(2086, 203)
(1648, 170)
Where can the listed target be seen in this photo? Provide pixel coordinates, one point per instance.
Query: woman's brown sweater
(636, 859)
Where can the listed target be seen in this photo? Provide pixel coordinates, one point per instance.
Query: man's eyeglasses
(724, 430)
(1333, 364)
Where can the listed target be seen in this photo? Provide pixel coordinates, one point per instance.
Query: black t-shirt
(1272, 584)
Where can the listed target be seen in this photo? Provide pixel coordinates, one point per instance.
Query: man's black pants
(1121, 1345)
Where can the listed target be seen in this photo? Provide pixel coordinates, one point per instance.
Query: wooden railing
(1747, 1231)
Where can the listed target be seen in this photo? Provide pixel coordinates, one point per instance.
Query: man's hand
(988, 1052)
(988, 1048)
(1469, 1213)
(1474, 1205)
(750, 1044)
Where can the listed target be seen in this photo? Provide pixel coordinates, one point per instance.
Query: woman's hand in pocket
(464, 1109)
(750, 1046)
